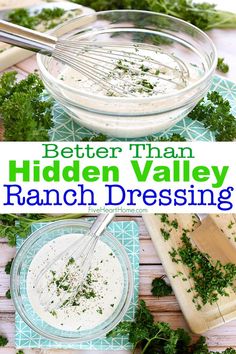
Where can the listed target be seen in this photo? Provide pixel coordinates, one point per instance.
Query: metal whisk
(121, 69)
(75, 259)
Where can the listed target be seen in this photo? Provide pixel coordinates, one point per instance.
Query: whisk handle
(101, 222)
(25, 38)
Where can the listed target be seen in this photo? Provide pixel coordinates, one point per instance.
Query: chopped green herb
(144, 68)
(110, 93)
(121, 66)
(71, 260)
(53, 313)
(222, 66)
(175, 224)
(171, 224)
(3, 341)
(230, 225)
(146, 85)
(20, 224)
(99, 310)
(160, 287)
(165, 219)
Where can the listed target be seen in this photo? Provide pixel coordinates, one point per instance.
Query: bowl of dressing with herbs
(100, 302)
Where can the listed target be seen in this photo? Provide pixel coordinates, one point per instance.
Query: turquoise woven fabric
(65, 129)
(128, 235)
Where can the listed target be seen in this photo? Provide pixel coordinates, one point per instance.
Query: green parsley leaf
(8, 266)
(23, 17)
(158, 337)
(8, 294)
(26, 116)
(215, 113)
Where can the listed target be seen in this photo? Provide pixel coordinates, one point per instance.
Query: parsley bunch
(158, 337)
(160, 287)
(210, 278)
(8, 266)
(23, 17)
(222, 66)
(26, 116)
(204, 15)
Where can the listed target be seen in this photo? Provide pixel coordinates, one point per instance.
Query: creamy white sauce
(97, 299)
(137, 72)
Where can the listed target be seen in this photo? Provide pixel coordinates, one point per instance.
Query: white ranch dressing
(98, 300)
(129, 76)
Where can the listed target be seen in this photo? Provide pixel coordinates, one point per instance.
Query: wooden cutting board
(210, 316)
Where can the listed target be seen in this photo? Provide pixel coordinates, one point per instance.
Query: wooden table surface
(164, 309)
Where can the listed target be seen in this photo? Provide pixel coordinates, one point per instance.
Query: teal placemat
(65, 129)
(128, 235)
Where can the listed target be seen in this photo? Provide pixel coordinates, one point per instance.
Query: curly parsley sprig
(160, 287)
(211, 279)
(215, 113)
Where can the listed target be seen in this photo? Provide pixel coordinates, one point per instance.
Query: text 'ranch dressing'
(97, 298)
(138, 72)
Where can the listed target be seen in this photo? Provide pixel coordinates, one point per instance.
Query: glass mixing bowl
(19, 272)
(131, 117)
